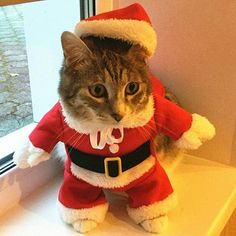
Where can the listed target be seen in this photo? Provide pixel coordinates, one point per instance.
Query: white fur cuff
(154, 210)
(27, 155)
(200, 131)
(70, 215)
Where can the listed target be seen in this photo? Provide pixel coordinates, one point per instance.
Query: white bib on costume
(106, 137)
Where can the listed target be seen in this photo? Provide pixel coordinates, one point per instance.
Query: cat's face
(103, 89)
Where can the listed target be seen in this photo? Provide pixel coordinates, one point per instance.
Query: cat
(109, 113)
(118, 62)
(105, 72)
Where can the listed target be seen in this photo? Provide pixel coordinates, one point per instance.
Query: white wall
(196, 59)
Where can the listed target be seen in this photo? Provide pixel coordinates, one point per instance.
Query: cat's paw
(200, 131)
(156, 225)
(28, 156)
(84, 226)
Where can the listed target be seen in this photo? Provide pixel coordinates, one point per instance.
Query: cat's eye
(98, 90)
(131, 88)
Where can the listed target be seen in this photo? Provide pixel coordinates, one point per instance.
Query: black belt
(110, 166)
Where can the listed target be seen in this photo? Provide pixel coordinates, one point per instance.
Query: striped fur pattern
(105, 82)
(103, 85)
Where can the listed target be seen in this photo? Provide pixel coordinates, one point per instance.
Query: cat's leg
(81, 204)
(151, 200)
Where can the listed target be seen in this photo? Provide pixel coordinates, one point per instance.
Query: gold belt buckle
(112, 159)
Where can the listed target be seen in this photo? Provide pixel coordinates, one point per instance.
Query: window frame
(14, 182)
(87, 8)
(14, 2)
(7, 145)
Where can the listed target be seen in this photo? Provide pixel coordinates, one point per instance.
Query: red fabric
(76, 193)
(171, 119)
(52, 128)
(153, 188)
(132, 12)
(157, 86)
(49, 130)
(168, 118)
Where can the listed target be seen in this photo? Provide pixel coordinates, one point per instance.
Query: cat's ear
(137, 54)
(76, 52)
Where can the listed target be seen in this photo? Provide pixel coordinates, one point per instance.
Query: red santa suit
(152, 186)
(127, 153)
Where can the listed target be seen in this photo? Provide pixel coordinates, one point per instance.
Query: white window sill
(207, 198)
(16, 184)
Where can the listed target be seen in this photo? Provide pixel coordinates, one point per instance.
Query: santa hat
(130, 24)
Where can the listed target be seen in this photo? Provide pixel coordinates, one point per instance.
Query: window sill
(207, 198)
(16, 184)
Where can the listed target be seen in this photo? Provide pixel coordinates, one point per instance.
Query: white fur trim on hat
(133, 31)
(200, 131)
(154, 210)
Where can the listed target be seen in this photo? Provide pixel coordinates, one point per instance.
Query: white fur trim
(59, 152)
(37, 155)
(96, 213)
(20, 156)
(156, 225)
(134, 31)
(154, 210)
(140, 119)
(97, 179)
(200, 131)
(129, 121)
(27, 155)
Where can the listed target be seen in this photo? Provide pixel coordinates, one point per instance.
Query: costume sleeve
(157, 86)
(171, 119)
(49, 130)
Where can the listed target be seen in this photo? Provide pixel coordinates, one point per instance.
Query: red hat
(130, 24)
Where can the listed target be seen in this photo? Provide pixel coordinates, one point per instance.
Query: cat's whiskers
(146, 133)
(151, 128)
(78, 140)
(133, 120)
(60, 134)
(143, 131)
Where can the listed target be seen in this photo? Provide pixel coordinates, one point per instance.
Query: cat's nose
(116, 116)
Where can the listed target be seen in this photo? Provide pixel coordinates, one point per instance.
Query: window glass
(15, 96)
(30, 58)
